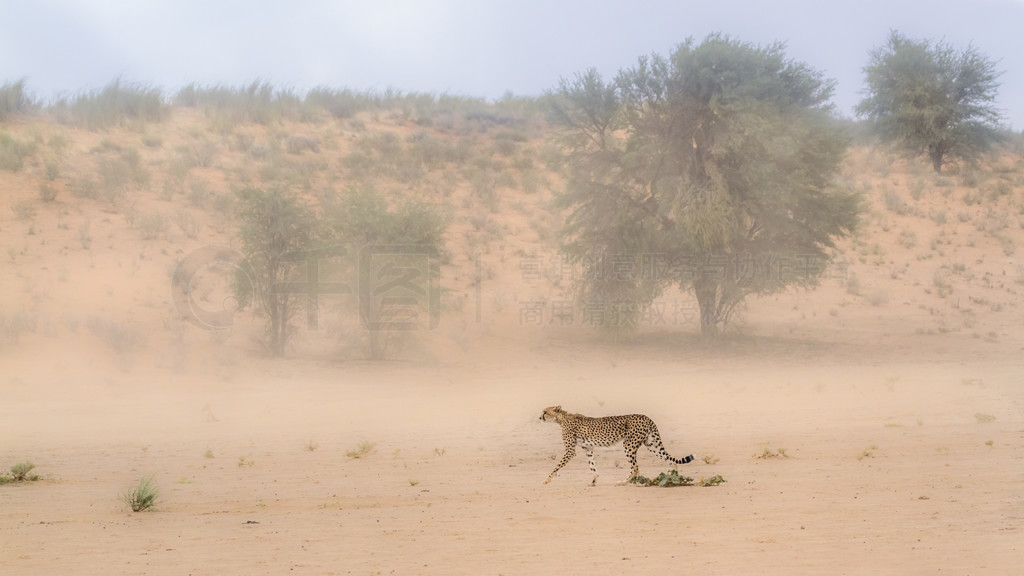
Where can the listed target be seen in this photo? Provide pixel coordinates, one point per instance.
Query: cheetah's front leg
(570, 451)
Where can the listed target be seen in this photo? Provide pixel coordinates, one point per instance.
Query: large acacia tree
(713, 169)
(932, 98)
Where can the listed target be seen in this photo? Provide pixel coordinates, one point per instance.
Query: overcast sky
(472, 47)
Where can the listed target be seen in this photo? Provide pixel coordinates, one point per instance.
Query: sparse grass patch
(122, 337)
(311, 446)
(116, 103)
(363, 449)
(769, 453)
(299, 144)
(142, 497)
(51, 170)
(13, 153)
(942, 285)
(908, 238)
(25, 210)
(983, 418)
(152, 226)
(84, 235)
(187, 222)
(894, 202)
(852, 283)
(47, 193)
(973, 198)
(868, 452)
(152, 140)
(877, 298)
(709, 459)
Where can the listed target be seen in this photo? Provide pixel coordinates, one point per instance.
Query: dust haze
(870, 424)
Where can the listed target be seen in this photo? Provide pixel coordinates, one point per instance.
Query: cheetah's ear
(559, 408)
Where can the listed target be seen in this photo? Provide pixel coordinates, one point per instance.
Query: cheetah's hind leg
(593, 466)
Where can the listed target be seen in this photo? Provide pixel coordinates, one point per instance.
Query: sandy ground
(887, 468)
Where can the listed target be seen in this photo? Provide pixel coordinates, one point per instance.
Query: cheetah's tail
(685, 460)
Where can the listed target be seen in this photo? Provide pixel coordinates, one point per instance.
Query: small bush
(711, 481)
(51, 170)
(47, 193)
(364, 448)
(972, 198)
(84, 188)
(299, 144)
(21, 472)
(152, 226)
(894, 202)
(908, 238)
(188, 223)
(152, 141)
(142, 497)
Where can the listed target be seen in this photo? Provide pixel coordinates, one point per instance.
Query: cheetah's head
(552, 413)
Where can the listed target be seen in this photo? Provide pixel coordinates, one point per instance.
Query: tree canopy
(275, 226)
(931, 98)
(712, 169)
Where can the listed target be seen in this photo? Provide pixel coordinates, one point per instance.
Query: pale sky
(465, 47)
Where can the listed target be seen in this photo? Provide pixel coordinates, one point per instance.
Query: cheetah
(632, 430)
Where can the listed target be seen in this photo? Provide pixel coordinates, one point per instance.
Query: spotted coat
(632, 430)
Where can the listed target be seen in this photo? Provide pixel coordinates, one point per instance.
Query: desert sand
(886, 469)
(868, 427)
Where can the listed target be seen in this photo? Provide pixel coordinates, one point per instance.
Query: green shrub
(142, 497)
(13, 153)
(47, 193)
(673, 478)
(14, 99)
(20, 472)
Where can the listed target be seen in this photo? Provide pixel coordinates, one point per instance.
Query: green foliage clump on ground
(21, 472)
(673, 478)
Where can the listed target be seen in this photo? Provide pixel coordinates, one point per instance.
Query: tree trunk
(706, 291)
(936, 158)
